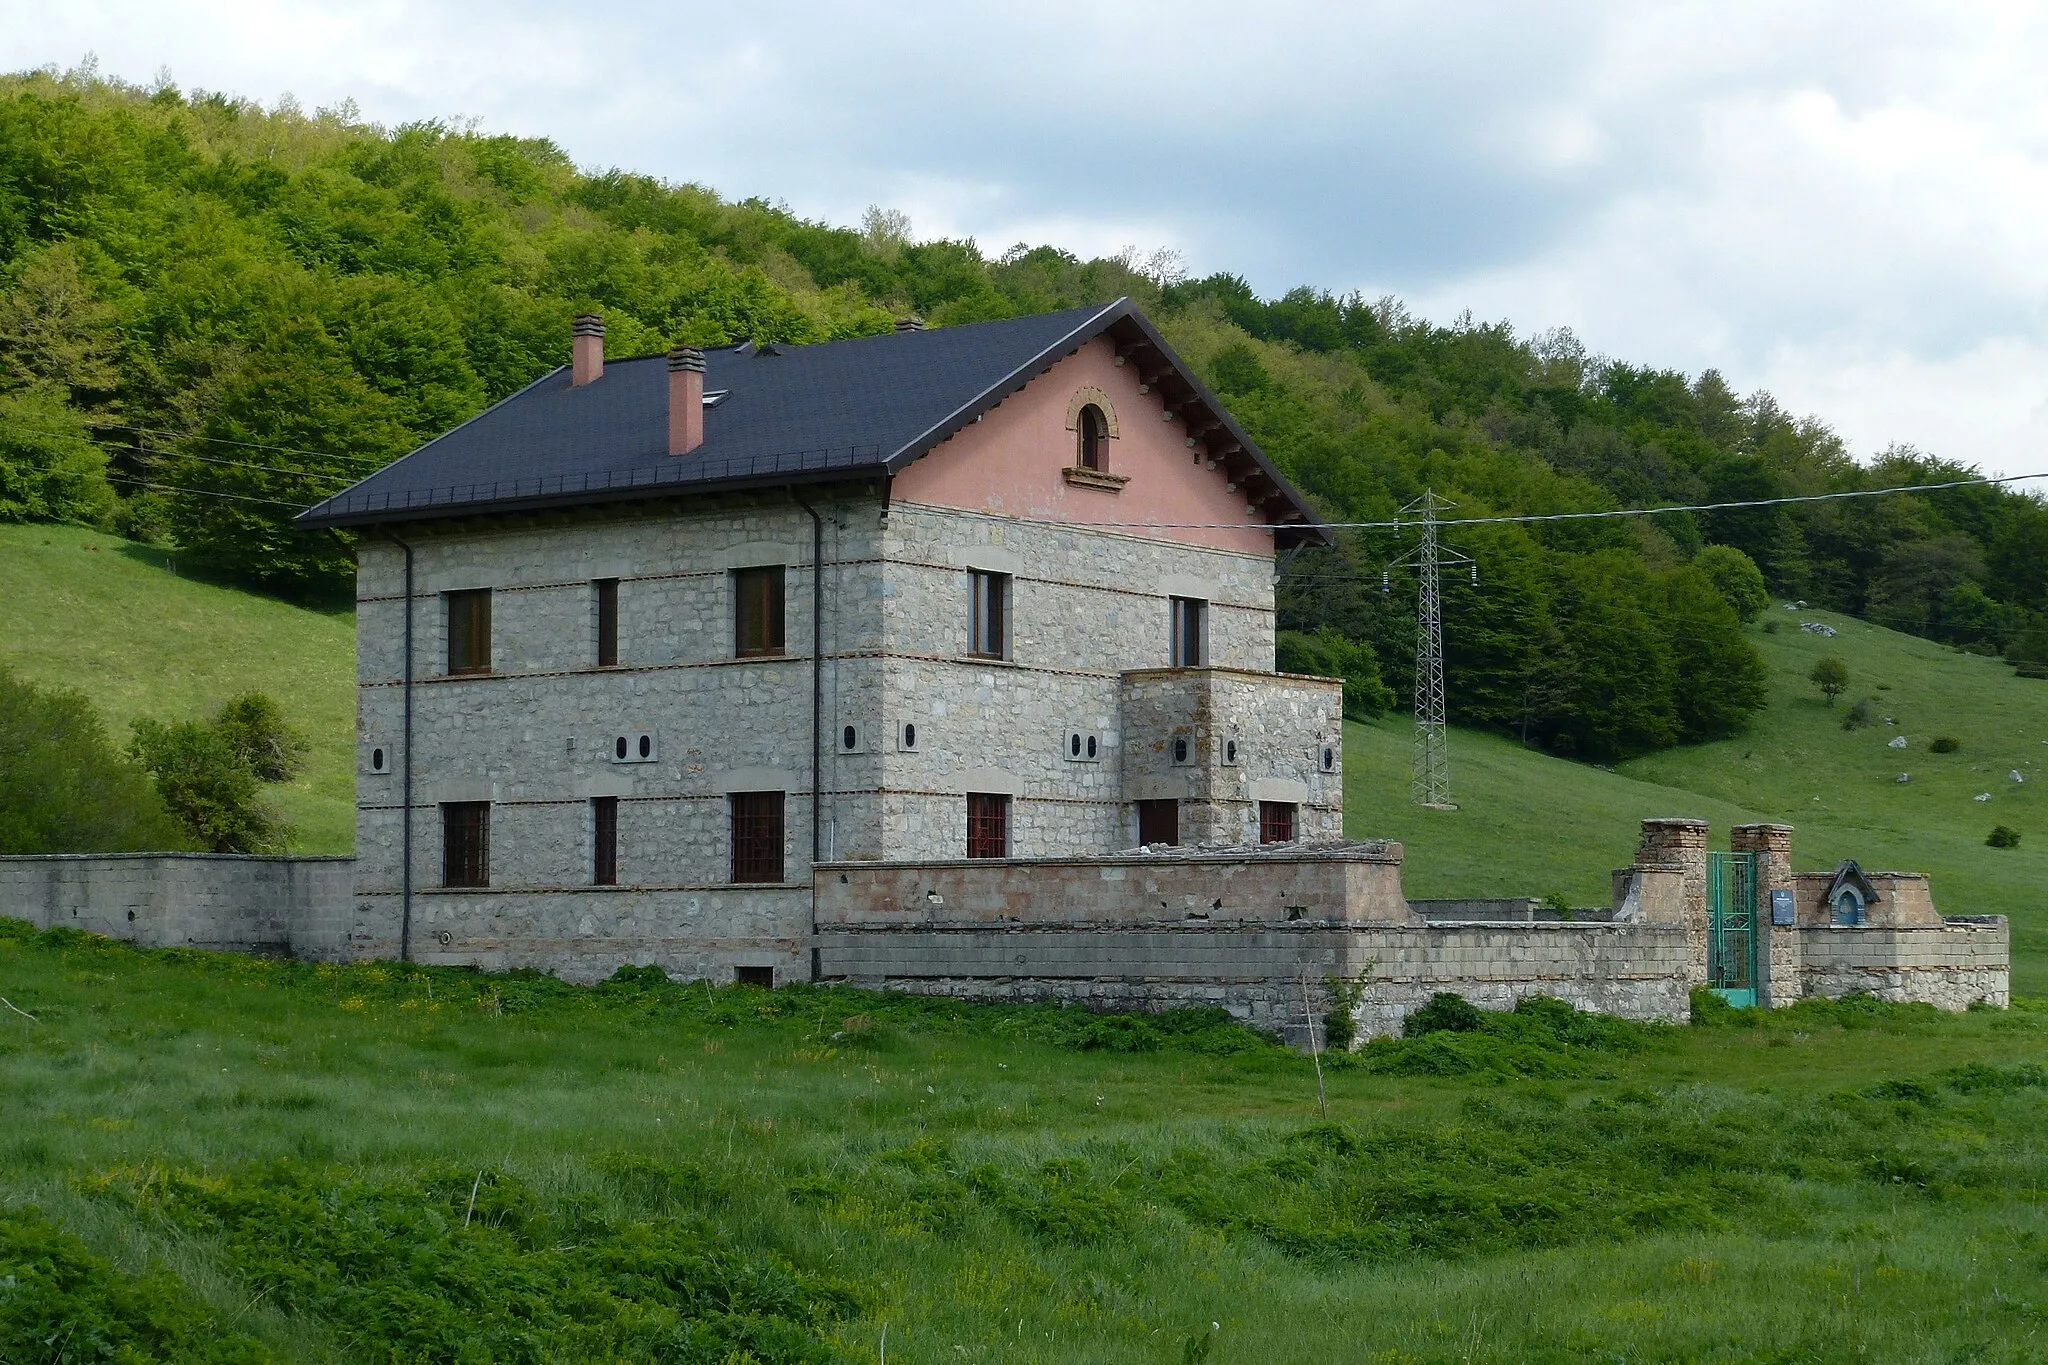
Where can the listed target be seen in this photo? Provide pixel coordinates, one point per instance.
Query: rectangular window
(1190, 632)
(607, 622)
(764, 977)
(988, 825)
(1276, 822)
(469, 631)
(756, 836)
(466, 843)
(757, 611)
(988, 626)
(1159, 822)
(604, 826)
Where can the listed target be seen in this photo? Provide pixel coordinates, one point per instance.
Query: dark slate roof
(835, 411)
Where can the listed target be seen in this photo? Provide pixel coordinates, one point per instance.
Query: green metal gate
(1731, 926)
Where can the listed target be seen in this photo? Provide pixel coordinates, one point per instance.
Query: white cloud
(1847, 203)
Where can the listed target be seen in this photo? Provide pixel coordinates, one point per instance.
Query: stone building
(642, 643)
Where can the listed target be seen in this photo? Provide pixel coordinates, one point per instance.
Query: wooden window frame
(756, 821)
(988, 614)
(1279, 822)
(607, 592)
(604, 842)
(759, 617)
(467, 615)
(988, 825)
(1189, 642)
(465, 844)
(1157, 816)
(1091, 440)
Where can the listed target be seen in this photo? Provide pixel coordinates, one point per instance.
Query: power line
(204, 492)
(229, 441)
(187, 455)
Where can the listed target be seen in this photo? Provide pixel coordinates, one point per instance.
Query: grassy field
(1528, 824)
(91, 611)
(234, 1159)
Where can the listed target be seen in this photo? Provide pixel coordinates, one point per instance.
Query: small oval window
(619, 748)
(1230, 751)
(909, 736)
(847, 737)
(1329, 759)
(1074, 745)
(377, 759)
(1091, 746)
(646, 746)
(1180, 751)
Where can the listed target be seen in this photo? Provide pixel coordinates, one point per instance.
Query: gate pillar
(1679, 845)
(1777, 944)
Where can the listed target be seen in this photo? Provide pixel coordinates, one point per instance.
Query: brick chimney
(910, 323)
(586, 354)
(685, 400)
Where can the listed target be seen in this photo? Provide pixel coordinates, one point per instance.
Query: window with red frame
(1276, 822)
(988, 825)
(756, 836)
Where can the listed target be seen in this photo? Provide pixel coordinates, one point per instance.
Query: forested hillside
(211, 313)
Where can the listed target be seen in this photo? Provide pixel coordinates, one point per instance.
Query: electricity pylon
(1430, 785)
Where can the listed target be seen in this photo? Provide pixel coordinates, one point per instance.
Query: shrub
(1445, 1013)
(64, 788)
(1736, 577)
(2003, 836)
(1944, 744)
(1861, 714)
(210, 773)
(1330, 654)
(1831, 676)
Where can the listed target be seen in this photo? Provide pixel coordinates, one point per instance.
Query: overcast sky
(1846, 204)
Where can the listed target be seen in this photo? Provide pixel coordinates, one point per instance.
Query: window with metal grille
(757, 611)
(988, 825)
(607, 622)
(756, 836)
(1276, 822)
(1159, 821)
(466, 843)
(604, 825)
(1094, 440)
(763, 977)
(988, 626)
(1190, 632)
(469, 631)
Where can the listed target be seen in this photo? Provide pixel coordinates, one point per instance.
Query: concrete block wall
(1964, 961)
(220, 901)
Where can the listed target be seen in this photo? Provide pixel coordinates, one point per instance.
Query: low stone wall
(1958, 964)
(226, 901)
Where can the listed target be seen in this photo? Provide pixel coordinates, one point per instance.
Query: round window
(1230, 751)
(909, 736)
(1180, 751)
(647, 746)
(848, 737)
(1091, 746)
(377, 760)
(1074, 746)
(619, 748)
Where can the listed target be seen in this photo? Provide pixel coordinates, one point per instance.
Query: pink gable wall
(1010, 462)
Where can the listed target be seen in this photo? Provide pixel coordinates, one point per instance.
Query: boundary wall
(231, 902)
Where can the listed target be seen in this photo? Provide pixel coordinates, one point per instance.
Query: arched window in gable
(1092, 435)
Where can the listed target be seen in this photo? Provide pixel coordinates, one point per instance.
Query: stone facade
(910, 722)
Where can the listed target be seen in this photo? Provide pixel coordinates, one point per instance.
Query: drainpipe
(817, 673)
(405, 896)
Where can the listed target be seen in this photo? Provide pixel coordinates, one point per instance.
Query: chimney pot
(910, 323)
(586, 350)
(685, 400)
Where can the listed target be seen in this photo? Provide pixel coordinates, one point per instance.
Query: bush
(64, 788)
(1861, 714)
(1329, 654)
(2003, 836)
(210, 773)
(1737, 578)
(1944, 744)
(1831, 676)
(1445, 1013)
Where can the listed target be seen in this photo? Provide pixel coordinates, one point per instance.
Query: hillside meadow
(214, 1158)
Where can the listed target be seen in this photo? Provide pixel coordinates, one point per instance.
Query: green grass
(1530, 825)
(275, 1160)
(111, 618)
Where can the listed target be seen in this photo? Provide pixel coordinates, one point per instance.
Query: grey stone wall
(1963, 962)
(223, 901)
